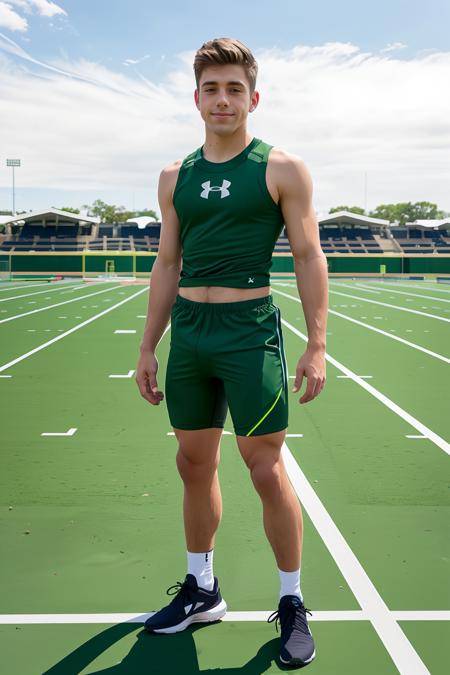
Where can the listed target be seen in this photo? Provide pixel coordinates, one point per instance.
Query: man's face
(223, 98)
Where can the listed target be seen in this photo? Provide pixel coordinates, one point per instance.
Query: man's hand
(146, 370)
(312, 366)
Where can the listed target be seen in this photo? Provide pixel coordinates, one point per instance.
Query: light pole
(13, 163)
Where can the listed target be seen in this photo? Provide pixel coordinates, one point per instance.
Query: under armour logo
(251, 280)
(223, 189)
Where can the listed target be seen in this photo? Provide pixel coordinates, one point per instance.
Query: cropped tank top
(229, 222)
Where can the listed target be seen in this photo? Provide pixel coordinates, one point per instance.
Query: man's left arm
(311, 270)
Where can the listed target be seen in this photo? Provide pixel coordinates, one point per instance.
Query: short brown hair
(221, 51)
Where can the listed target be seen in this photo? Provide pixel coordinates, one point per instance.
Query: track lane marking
(413, 345)
(394, 639)
(387, 304)
(71, 330)
(140, 617)
(431, 435)
(57, 304)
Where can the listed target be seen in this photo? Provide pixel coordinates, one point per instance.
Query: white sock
(201, 566)
(290, 583)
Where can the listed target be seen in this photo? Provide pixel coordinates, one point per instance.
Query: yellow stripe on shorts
(267, 413)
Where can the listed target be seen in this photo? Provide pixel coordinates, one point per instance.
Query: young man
(223, 208)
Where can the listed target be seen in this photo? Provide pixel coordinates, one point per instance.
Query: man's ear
(254, 100)
(196, 98)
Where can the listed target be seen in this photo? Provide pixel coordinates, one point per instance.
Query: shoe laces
(292, 615)
(180, 590)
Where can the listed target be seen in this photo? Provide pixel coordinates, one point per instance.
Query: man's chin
(219, 130)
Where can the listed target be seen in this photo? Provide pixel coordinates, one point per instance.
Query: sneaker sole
(298, 662)
(213, 614)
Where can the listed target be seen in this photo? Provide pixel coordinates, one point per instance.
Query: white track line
(419, 288)
(57, 304)
(415, 295)
(71, 432)
(29, 295)
(130, 374)
(387, 304)
(13, 288)
(395, 641)
(431, 435)
(376, 330)
(71, 330)
(140, 617)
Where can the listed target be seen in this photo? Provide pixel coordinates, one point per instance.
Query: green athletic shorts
(227, 354)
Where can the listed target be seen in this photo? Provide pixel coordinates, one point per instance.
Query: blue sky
(99, 95)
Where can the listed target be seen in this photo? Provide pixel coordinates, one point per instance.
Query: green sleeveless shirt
(229, 222)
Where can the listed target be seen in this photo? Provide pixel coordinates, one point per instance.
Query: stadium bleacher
(338, 239)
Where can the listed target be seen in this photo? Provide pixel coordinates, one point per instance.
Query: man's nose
(222, 98)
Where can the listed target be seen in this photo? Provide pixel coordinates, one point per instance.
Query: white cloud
(80, 125)
(133, 62)
(394, 46)
(47, 8)
(10, 19)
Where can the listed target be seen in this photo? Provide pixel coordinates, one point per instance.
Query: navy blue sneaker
(297, 644)
(190, 604)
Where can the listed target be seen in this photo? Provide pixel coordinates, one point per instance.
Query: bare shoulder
(170, 172)
(168, 179)
(289, 170)
(286, 161)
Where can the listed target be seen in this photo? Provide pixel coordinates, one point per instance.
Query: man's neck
(222, 148)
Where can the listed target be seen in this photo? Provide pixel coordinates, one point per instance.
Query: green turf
(104, 507)
(226, 648)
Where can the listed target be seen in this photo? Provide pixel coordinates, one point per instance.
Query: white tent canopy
(56, 216)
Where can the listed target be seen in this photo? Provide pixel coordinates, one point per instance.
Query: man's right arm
(163, 286)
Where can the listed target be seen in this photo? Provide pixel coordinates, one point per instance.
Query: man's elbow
(304, 256)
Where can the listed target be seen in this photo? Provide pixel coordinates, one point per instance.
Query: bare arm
(163, 287)
(311, 270)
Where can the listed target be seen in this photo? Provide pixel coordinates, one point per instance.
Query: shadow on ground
(159, 655)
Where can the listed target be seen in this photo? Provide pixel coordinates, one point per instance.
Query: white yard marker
(416, 295)
(71, 330)
(13, 288)
(5, 376)
(139, 617)
(124, 331)
(394, 639)
(387, 304)
(431, 435)
(412, 436)
(130, 374)
(344, 377)
(376, 330)
(27, 295)
(141, 316)
(57, 433)
(294, 435)
(57, 304)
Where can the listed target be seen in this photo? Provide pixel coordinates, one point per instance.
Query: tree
(69, 209)
(406, 212)
(146, 212)
(352, 209)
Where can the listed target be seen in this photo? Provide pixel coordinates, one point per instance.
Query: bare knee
(267, 477)
(198, 456)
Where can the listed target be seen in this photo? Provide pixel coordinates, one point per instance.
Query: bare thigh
(265, 448)
(200, 446)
